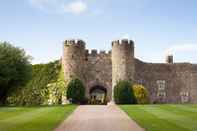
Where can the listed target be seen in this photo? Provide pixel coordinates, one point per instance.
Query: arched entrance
(98, 95)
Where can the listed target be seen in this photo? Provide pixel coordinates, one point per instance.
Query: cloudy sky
(158, 27)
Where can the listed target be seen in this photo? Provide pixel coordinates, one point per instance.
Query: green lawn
(164, 117)
(33, 118)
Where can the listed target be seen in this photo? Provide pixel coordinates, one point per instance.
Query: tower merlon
(102, 52)
(94, 52)
(87, 52)
(75, 42)
(122, 42)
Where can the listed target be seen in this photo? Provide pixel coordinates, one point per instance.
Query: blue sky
(158, 27)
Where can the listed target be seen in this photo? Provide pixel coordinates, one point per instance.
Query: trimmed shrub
(123, 93)
(141, 94)
(75, 91)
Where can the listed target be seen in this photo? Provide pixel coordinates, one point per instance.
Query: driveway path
(98, 118)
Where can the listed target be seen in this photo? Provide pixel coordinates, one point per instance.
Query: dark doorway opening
(98, 95)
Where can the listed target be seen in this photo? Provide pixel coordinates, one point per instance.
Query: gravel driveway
(98, 118)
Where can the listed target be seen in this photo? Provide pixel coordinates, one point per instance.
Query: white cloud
(76, 7)
(60, 6)
(125, 36)
(45, 4)
(182, 48)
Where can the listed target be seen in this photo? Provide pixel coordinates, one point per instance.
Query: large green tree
(15, 69)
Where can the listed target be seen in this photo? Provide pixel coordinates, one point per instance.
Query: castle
(166, 82)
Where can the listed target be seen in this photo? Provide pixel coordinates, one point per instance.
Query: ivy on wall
(45, 87)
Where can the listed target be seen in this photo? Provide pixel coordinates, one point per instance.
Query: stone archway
(98, 94)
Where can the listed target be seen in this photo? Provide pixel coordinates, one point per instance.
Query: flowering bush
(141, 94)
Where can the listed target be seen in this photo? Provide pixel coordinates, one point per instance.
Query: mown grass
(164, 117)
(33, 118)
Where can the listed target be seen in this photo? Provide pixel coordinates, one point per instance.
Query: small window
(161, 85)
(141, 81)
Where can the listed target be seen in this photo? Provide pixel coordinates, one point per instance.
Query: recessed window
(161, 86)
(141, 81)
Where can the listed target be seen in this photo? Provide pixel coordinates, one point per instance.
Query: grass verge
(164, 117)
(33, 118)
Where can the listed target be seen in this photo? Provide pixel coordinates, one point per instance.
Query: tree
(15, 69)
(123, 93)
(75, 91)
(141, 94)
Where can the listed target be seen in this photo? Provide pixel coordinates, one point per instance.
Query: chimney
(169, 59)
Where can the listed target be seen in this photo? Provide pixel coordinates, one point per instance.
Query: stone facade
(166, 82)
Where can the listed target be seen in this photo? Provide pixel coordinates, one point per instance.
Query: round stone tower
(73, 59)
(123, 63)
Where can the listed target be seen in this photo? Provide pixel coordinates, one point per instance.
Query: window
(161, 85)
(141, 81)
(184, 97)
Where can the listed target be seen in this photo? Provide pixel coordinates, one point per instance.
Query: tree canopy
(15, 68)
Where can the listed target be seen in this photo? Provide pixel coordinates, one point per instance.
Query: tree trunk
(3, 96)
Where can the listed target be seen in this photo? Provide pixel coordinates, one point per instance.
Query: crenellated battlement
(95, 52)
(123, 42)
(75, 42)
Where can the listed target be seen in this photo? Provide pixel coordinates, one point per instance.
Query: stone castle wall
(193, 84)
(73, 59)
(92, 67)
(98, 71)
(122, 61)
(166, 82)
